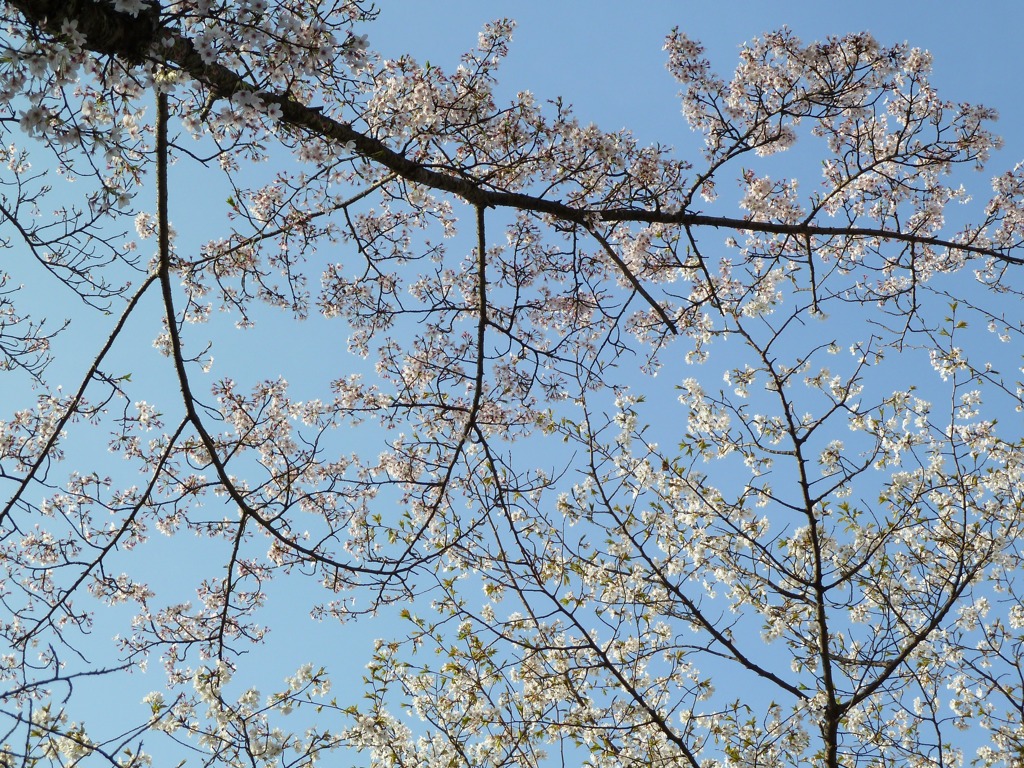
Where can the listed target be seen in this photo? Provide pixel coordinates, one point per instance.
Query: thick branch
(106, 31)
(111, 33)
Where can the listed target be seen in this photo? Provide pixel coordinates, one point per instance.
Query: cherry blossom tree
(651, 479)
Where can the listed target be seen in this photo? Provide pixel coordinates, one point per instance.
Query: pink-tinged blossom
(132, 7)
(627, 415)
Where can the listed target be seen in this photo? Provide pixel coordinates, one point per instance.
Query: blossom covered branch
(647, 473)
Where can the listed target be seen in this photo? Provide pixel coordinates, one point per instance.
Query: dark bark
(106, 30)
(133, 38)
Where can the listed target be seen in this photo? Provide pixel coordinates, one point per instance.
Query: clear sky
(606, 57)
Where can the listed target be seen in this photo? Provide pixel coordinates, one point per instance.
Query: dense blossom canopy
(653, 472)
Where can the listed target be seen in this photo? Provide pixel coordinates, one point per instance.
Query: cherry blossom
(773, 546)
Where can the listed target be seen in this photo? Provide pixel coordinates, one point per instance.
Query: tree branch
(109, 32)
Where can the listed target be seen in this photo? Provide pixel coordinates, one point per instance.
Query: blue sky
(606, 57)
